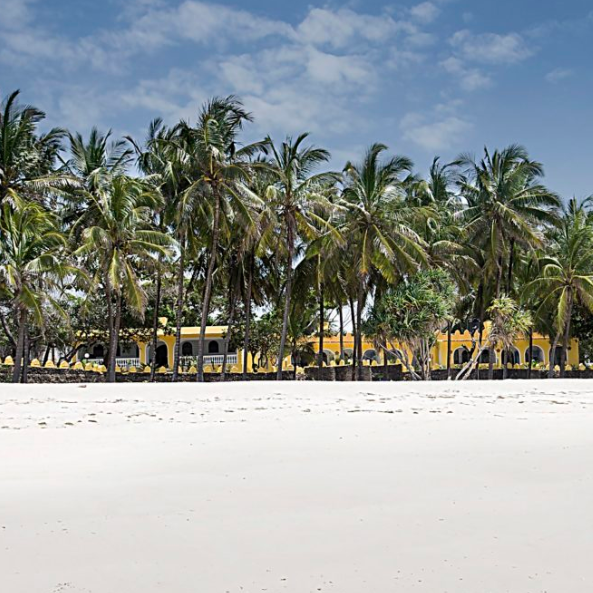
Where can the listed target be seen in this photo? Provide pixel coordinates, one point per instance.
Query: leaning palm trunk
(470, 366)
(155, 323)
(208, 288)
(179, 311)
(247, 336)
(20, 344)
(287, 297)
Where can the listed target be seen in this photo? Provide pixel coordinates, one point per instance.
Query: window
(213, 347)
(461, 356)
(538, 355)
(514, 357)
(187, 349)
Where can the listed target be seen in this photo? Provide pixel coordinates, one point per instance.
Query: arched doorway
(538, 355)
(461, 356)
(187, 349)
(514, 357)
(213, 347)
(370, 354)
(557, 356)
(162, 356)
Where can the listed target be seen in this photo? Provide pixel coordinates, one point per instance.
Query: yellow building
(461, 347)
(139, 353)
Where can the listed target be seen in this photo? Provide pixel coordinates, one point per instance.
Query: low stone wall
(329, 373)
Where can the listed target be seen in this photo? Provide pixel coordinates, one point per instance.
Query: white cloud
(338, 29)
(491, 48)
(470, 79)
(434, 132)
(426, 12)
(558, 75)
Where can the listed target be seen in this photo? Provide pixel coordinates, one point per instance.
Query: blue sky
(425, 78)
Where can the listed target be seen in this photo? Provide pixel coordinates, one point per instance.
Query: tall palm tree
(296, 195)
(378, 225)
(27, 159)
(506, 205)
(117, 235)
(566, 275)
(219, 176)
(32, 262)
(159, 161)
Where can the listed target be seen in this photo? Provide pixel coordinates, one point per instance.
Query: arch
(213, 347)
(162, 355)
(328, 356)
(348, 354)
(485, 357)
(98, 351)
(538, 355)
(514, 356)
(187, 349)
(461, 355)
(370, 354)
(556, 357)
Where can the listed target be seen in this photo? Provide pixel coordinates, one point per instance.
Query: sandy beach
(297, 487)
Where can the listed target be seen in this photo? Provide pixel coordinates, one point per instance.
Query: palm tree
(158, 160)
(27, 160)
(506, 206)
(117, 235)
(566, 275)
(296, 194)
(32, 262)
(378, 225)
(219, 176)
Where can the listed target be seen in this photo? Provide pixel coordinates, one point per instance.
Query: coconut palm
(117, 236)
(566, 272)
(27, 159)
(32, 263)
(378, 225)
(298, 195)
(507, 206)
(218, 172)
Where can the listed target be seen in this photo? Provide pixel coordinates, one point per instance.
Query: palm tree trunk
(229, 332)
(114, 341)
(321, 332)
(287, 298)
(248, 315)
(110, 322)
(359, 308)
(20, 343)
(355, 338)
(208, 289)
(25, 374)
(511, 264)
(552, 356)
(178, 310)
(530, 353)
(449, 330)
(566, 340)
(341, 316)
(155, 322)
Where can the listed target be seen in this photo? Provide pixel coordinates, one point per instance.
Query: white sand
(352, 488)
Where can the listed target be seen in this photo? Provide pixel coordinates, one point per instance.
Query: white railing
(210, 360)
(123, 363)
